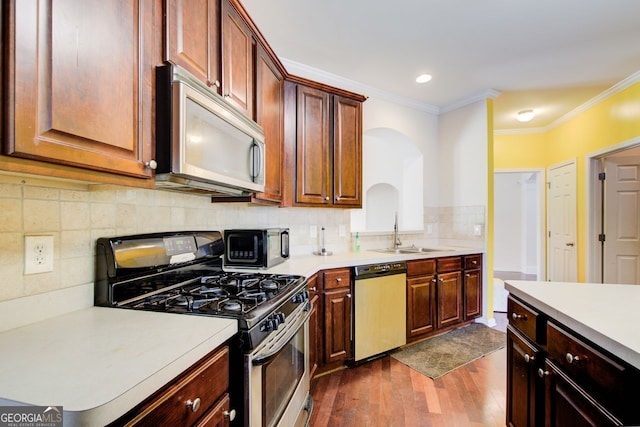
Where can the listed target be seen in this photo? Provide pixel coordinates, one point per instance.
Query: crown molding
(480, 96)
(607, 93)
(298, 69)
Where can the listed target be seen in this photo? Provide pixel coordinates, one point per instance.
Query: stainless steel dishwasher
(380, 308)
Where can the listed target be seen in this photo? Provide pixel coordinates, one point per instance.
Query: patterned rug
(436, 356)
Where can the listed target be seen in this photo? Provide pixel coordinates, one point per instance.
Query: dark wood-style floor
(386, 392)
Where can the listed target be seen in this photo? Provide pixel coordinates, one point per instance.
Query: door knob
(571, 244)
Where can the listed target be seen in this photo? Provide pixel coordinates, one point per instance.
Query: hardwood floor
(385, 393)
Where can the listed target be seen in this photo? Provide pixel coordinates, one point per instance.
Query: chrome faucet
(396, 240)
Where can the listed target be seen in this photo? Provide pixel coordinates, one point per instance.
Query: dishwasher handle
(377, 270)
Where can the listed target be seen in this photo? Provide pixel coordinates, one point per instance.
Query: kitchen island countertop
(606, 314)
(98, 363)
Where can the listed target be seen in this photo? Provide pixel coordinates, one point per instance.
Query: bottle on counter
(356, 243)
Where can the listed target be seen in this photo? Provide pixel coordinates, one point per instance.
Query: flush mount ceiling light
(423, 78)
(525, 115)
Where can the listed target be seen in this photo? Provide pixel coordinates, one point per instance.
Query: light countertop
(606, 314)
(100, 362)
(307, 265)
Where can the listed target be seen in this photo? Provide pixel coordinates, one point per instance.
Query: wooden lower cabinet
(472, 286)
(557, 378)
(523, 388)
(197, 397)
(315, 343)
(442, 293)
(566, 404)
(330, 326)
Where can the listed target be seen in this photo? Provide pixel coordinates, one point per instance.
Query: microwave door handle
(255, 148)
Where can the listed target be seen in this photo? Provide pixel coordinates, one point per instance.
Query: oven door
(279, 376)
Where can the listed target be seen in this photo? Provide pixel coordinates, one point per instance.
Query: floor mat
(436, 356)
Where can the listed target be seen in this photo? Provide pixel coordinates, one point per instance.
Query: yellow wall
(610, 122)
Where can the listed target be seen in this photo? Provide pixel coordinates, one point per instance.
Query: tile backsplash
(77, 214)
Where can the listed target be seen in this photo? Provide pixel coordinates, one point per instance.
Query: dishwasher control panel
(380, 269)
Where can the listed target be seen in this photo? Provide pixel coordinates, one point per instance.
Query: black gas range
(182, 272)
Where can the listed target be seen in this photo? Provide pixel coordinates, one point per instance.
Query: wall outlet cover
(38, 254)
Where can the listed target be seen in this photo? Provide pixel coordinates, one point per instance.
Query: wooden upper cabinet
(193, 38)
(80, 90)
(237, 60)
(347, 152)
(270, 115)
(313, 162)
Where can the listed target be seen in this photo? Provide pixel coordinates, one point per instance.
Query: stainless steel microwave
(256, 248)
(203, 143)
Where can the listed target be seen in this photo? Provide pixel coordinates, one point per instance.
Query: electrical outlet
(477, 230)
(342, 231)
(313, 231)
(38, 254)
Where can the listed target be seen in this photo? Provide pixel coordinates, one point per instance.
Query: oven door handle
(262, 359)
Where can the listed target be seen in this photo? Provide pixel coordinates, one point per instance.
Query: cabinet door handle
(339, 279)
(151, 164)
(194, 405)
(542, 373)
(516, 316)
(570, 244)
(230, 414)
(326, 198)
(348, 296)
(313, 289)
(571, 359)
(528, 358)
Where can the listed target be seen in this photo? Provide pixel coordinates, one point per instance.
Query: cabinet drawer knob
(230, 414)
(571, 359)
(349, 296)
(528, 358)
(339, 279)
(313, 289)
(326, 198)
(542, 373)
(194, 405)
(151, 164)
(516, 316)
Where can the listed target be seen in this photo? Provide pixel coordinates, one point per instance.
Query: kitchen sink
(411, 250)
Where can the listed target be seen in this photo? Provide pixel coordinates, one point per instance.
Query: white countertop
(606, 314)
(307, 265)
(99, 362)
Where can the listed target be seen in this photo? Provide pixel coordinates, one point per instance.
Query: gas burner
(202, 303)
(217, 291)
(269, 285)
(231, 306)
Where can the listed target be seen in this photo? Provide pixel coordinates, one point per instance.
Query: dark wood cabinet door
(270, 115)
(420, 305)
(449, 294)
(522, 379)
(347, 152)
(314, 326)
(567, 405)
(192, 38)
(81, 78)
(313, 164)
(472, 294)
(337, 327)
(218, 416)
(237, 60)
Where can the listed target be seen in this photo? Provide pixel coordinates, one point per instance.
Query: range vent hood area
(204, 145)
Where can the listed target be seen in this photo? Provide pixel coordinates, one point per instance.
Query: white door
(561, 223)
(622, 224)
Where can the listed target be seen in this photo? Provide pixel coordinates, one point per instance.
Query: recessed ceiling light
(525, 115)
(423, 78)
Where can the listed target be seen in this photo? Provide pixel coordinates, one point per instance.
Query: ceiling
(548, 55)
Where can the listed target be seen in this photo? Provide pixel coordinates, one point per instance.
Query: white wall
(515, 218)
(463, 152)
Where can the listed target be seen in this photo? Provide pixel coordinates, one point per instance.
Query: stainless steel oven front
(278, 374)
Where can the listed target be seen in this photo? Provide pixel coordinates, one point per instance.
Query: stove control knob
(268, 325)
(280, 317)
